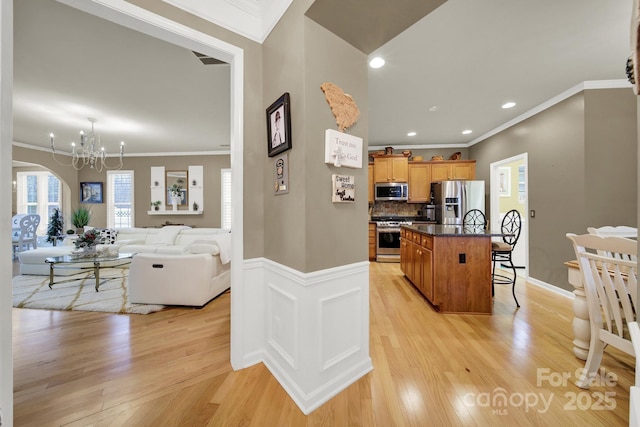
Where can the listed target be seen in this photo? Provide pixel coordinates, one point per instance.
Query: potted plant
(176, 190)
(156, 205)
(55, 227)
(80, 218)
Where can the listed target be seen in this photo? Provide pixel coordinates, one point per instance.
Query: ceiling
(153, 95)
(465, 59)
(469, 57)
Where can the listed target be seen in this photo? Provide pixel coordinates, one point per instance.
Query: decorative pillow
(109, 236)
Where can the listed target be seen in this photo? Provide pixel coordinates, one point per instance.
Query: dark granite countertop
(451, 230)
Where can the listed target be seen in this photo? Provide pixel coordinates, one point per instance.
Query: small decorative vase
(174, 202)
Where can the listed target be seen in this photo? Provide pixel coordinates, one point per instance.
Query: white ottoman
(186, 279)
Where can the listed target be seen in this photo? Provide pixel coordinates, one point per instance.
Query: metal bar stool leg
(513, 286)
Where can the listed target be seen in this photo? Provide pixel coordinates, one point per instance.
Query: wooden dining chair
(610, 283)
(619, 230)
(634, 392)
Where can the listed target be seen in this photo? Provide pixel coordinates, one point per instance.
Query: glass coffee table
(87, 263)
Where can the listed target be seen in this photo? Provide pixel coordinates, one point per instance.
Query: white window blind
(120, 199)
(225, 194)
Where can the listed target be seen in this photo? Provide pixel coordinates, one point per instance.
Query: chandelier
(90, 152)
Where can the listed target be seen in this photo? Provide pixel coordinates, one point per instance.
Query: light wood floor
(172, 368)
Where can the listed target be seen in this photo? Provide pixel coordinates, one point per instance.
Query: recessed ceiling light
(509, 105)
(466, 131)
(411, 134)
(376, 62)
(434, 108)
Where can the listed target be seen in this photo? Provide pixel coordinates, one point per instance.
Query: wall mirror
(177, 180)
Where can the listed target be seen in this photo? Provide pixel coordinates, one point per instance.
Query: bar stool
(474, 218)
(501, 252)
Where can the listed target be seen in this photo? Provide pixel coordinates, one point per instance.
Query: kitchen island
(450, 265)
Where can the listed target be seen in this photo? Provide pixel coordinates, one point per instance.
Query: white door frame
(494, 197)
(146, 22)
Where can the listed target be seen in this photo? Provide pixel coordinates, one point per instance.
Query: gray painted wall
(582, 172)
(304, 229)
(141, 166)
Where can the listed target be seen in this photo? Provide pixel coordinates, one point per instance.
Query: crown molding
(159, 154)
(595, 84)
(253, 19)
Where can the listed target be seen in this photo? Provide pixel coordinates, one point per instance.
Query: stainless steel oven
(388, 241)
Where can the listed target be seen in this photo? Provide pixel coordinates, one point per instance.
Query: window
(225, 194)
(38, 192)
(119, 199)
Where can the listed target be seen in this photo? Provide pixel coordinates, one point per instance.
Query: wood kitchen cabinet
(427, 267)
(412, 259)
(371, 186)
(417, 265)
(419, 183)
(404, 252)
(372, 241)
(422, 174)
(391, 169)
(457, 169)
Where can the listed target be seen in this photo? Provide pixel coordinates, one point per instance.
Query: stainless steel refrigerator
(453, 199)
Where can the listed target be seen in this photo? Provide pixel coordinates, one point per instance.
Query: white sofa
(173, 240)
(173, 265)
(172, 279)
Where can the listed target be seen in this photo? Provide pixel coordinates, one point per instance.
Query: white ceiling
(157, 97)
(467, 57)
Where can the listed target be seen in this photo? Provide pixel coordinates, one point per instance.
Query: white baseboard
(552, 288)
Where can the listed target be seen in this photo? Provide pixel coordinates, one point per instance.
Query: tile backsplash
(395, 208)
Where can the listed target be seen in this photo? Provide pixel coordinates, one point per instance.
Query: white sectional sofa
(167, 240)
(174, 265)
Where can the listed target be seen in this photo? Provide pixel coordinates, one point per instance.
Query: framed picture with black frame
(90, 192)
(279, 126)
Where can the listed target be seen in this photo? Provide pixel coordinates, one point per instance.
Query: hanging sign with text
(341, 149)
(344, 188)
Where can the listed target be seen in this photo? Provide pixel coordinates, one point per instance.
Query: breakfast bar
(450, 265)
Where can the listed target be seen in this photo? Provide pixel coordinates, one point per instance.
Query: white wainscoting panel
(311, 330)
(282, 325)
(253, 312)
(343, 312)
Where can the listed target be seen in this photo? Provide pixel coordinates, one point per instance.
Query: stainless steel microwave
(396, 191)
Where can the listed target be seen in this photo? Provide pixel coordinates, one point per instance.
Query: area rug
(79, 294)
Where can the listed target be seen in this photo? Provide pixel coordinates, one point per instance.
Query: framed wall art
(281, 174)
(344, 188)
(504, 182)
(279, 126)
(90, 192)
